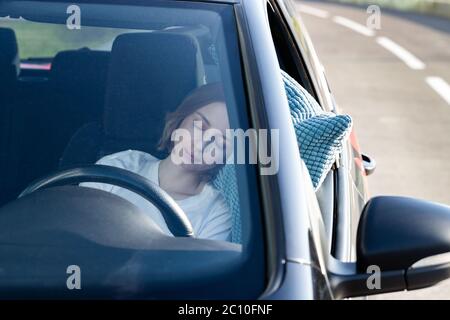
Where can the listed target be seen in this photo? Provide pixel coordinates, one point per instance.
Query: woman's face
(206, 144)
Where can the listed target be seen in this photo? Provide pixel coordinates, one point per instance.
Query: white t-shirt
(207, 211)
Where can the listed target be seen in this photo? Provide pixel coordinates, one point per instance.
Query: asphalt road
(395, 83)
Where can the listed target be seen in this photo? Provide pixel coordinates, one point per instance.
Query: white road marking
(407, 57)
(440, 86)
(354, 26)
(313, 11)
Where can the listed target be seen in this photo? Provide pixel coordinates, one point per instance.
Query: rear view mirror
(395, 233)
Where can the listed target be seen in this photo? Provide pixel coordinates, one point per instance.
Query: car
(98, 77)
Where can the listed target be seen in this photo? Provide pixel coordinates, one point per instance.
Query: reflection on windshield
(121, 92)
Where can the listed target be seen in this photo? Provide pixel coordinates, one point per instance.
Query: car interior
(82, 103)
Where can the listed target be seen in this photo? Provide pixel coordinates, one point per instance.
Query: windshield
(136, 88)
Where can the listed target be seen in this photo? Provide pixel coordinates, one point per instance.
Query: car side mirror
(369, 164)
(394, 233)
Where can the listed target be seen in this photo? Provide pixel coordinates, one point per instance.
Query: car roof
(137, 1)
(216, 1)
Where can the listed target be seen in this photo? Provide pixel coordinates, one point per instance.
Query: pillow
(303, 106)
(320, 134)
(226, 183)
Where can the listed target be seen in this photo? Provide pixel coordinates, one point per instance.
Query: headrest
(82, 67)
(149, 75)
(9, 56)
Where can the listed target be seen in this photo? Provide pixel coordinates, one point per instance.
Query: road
(395, 83)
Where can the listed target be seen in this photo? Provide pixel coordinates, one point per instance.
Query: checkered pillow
(226, 183)
(320, 134)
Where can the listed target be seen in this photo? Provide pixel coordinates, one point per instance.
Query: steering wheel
(175, 218)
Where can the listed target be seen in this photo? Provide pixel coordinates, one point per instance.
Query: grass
(45, 40)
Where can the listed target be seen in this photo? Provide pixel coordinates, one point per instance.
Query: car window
(288, 56)
(130, 87)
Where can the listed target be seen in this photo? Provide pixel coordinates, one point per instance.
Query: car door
(291, 61)
(294, 63)
(343, 193)
(347, 188)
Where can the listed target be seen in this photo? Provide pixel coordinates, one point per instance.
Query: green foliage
(45, 40)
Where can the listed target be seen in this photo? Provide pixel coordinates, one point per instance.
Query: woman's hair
(198, 98)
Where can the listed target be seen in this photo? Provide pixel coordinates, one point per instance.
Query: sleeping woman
(180, 174)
